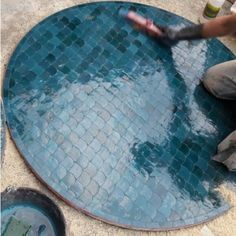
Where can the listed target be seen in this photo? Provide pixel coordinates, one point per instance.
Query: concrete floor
(18, 17)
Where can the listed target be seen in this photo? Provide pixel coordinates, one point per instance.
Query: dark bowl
(31, 197)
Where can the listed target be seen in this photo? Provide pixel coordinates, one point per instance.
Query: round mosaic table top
(117, 124)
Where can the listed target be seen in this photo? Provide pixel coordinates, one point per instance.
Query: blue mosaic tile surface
(116, 123)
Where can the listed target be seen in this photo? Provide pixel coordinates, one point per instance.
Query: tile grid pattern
(113, 121)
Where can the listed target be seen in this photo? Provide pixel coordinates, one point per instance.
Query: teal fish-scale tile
(115, 122)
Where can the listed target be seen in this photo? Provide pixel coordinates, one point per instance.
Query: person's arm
(218, 27)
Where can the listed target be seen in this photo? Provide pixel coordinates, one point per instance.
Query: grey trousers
(220, 80)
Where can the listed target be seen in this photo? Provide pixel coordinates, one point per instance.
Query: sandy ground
(18, 17)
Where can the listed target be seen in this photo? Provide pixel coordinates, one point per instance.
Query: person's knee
(220, 80)
(212, 81)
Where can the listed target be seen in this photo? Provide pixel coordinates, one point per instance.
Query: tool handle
(141, 22)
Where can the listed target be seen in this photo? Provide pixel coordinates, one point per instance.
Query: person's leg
(220, 80)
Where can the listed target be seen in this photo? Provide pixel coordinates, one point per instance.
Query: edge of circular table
(44, 182)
